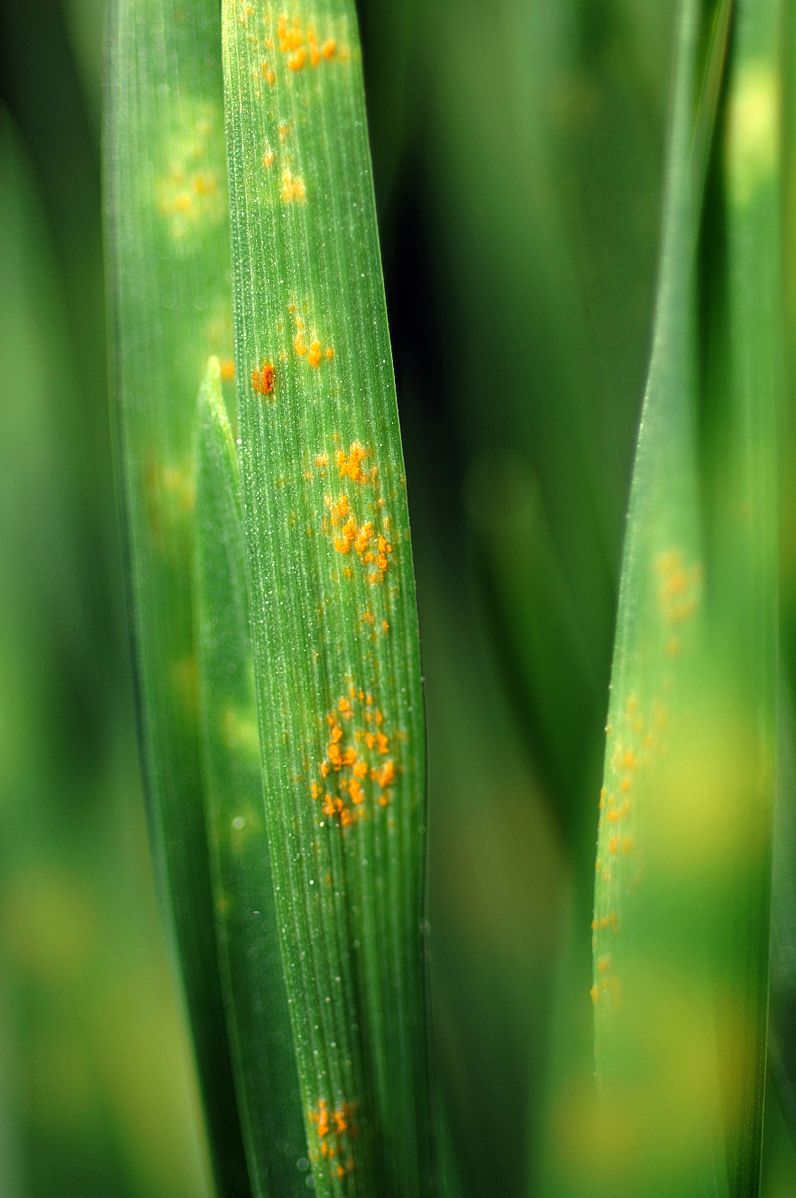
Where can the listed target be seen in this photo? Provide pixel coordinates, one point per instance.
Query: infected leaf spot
(293, 187)
(678, 587)
(351, 532)
(239, 731)
(190, 193)
(170, 497)
(335, 1129)
(177, 481)
(358, 769)
(227, 370)
(378, 627)
(264, 379)
(311, 350)
(609, 989)
(349, 465)
(301, 46)
(266, 72)
(606, 921)
(371, 547)
(268, 157)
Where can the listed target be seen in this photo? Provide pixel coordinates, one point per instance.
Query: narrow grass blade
(681, 903)
(782, 1049)
(251, 966)
(332, 590)
(167, 240)
(743, 520)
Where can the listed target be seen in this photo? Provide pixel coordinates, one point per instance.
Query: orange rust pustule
(358, 770)
(335, 1129)
(301, 46)
(264, 379)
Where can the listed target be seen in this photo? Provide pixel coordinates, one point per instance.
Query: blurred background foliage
(518, 152)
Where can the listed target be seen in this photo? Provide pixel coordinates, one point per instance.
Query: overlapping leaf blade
(251, 968)
(167, 240)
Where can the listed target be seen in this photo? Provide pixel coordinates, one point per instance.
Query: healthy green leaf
(251, 966)
(332, 591)
(169, 290)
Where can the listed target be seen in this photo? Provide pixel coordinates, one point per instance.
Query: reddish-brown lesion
(263, 378)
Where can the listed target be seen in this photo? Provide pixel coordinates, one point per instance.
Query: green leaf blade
(168, 272)
(251, 967)
(334, 619)
(681, 900)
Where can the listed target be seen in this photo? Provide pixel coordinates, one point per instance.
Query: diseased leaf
(167, 241)
(332, 591)
(251, 967)
(681, 905)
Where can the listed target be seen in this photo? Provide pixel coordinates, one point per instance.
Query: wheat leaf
(167, 243)
(332, 590)
(251, 967)
(681, 905)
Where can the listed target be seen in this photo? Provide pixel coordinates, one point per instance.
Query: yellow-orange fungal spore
(678, 587)
(294, 189)
(301, 46)
(263, 379)
(227, 370)
(351, 535)
(312, 350)
(188, 193)
(602, 922)
(333, 1126)
(349, 465)
(177, 482)
(353, 778)
(615, 814)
